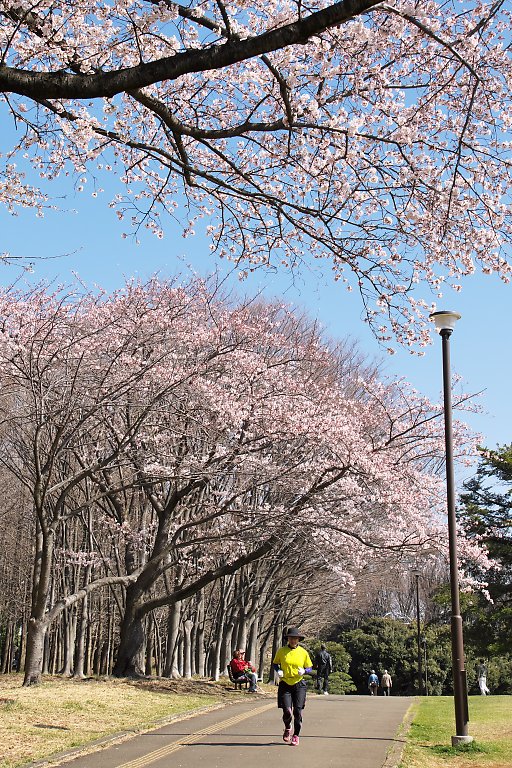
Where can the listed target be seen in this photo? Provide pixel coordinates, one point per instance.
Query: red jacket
(239, 666)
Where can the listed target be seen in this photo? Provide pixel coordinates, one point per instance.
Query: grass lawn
(61, 714)
(433, 724)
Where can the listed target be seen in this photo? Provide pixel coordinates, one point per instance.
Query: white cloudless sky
(84, 239)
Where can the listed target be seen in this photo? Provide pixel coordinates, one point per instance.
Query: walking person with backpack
(373, 683)
(323, 666)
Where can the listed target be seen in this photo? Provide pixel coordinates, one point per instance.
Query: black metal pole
(459, 673)
(418, 636)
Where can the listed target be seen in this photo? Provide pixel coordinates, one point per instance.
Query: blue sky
(87, 241)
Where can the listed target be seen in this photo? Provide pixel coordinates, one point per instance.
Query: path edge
(396, 750)
(118, 738)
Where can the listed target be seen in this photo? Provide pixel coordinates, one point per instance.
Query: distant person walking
(323, 664)
(386, 683)
(481, 672)
(373, 683)
(291, 662)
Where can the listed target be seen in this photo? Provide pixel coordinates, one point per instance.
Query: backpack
(323, 660)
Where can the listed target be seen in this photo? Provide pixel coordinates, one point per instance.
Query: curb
(395, 751)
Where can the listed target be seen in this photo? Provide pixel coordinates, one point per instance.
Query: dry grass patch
(60, 714)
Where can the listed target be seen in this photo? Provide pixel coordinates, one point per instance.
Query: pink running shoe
(287, 735)
(295, 741)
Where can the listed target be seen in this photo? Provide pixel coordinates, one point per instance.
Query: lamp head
(445, 320)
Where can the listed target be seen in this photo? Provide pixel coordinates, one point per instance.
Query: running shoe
(287, 735)
(295, 741)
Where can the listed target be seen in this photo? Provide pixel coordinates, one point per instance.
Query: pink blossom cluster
(185, 428)
(371, 138)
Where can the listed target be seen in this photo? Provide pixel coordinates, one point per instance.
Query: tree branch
(64, 85)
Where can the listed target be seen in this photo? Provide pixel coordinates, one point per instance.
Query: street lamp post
(445, 322)
(418, 634)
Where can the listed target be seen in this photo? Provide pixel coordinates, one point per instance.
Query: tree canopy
(168, 437)
(486, 513)
(369, 135)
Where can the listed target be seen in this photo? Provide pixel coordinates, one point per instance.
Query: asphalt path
(337, 732)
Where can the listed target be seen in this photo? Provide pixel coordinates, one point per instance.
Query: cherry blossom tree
(369, 135)
(284, 452)
(201, 435)
(68, 363)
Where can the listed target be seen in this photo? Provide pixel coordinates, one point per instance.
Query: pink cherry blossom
(371, 137)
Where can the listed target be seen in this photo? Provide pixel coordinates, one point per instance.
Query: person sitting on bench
(243, 670)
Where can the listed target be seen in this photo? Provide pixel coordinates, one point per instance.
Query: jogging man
(291, 662)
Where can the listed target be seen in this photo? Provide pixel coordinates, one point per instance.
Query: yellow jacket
(290, 659)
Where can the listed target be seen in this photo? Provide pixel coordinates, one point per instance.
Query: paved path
(338, 732)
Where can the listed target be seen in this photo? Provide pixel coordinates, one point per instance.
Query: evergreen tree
(486, 511)
(386, 643)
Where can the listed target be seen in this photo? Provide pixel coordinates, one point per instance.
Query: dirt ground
(196, 687)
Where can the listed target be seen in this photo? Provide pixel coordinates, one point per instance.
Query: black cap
(294, 632)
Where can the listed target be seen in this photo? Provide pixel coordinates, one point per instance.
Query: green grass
(433, 724)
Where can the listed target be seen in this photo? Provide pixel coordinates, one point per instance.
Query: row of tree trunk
(192, 637)
(168, 459)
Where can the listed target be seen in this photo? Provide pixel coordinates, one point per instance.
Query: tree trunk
(37, 627)
(7, 650)
(187, 648)
(158, 649)
(241, 634)
(104, 658)
(109, 663)
(129, 656)
(200, 649)
(226, 651)
(150, 643)
(80, 642)
(83, 628)
(55, 645)
(252, 643)
(173, 626)
(96, 650)
(69, 620)
(35, 651)
(276, 642)
(22, 646)
(181, 653)
(215, 667)
(193, 638)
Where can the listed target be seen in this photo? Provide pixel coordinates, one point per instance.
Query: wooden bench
(242, 682)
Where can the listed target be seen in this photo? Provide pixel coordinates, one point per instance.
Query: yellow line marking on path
(151, 757)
